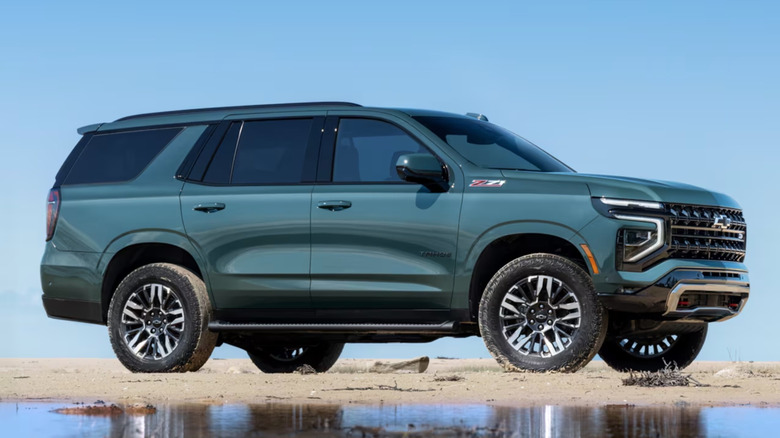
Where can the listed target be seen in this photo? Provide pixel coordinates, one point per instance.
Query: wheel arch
(501, 250)
(134, 254)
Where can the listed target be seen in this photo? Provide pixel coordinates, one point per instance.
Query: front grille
(711, 233)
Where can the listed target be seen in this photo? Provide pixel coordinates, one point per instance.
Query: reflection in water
(201, 420)
(610, 420)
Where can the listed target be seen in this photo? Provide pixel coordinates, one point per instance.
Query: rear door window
(271, 152)
(119, 156)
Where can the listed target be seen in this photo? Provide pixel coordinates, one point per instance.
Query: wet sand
(478, 381)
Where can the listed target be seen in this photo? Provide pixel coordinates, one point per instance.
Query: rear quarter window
(118, 156)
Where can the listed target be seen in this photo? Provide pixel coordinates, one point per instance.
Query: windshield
(488, 145)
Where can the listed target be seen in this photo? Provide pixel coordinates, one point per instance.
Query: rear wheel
(158, 320)
(275, 359)
(652, 352)
(540, 313)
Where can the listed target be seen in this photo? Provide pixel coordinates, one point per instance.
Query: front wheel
(275, 359)
(540, 313)
(653, 352)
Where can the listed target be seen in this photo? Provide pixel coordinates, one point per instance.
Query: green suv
(289, 230)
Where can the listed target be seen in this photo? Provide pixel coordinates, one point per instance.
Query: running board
(443, 328)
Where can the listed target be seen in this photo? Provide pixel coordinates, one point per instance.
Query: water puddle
(295, 420)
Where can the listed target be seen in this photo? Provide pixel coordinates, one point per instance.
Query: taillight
(52, 212)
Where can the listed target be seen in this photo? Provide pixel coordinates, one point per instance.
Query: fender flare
(520, 227)
(153, 236)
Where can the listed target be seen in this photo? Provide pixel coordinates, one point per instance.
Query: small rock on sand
(305, 369)
(735, 372)
(237, 370)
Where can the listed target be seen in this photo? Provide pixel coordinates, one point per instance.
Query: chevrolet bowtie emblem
(721, 222)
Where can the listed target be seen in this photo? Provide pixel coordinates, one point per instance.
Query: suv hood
(639, 189)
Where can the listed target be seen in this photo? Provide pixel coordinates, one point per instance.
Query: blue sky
(683, 91)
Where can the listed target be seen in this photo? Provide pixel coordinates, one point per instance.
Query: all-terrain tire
(681, 353)
(195, 342)
(577, 350)
(273, 359)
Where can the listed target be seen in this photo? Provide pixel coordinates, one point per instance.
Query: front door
(248, 215)
(379, 242)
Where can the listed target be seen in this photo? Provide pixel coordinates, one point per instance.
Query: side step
(443, 328)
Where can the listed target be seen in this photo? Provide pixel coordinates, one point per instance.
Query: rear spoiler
(89, 128)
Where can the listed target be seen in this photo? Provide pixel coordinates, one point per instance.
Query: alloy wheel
(287, 354)
(648, 348)
(152, 321)
(539, 316)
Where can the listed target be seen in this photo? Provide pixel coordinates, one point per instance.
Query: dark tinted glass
(488, 145)
(72, 157)
(272, 152)
(219, 170)
(118, 156)
(367, 151)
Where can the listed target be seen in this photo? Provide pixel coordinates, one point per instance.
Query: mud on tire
(509, 305)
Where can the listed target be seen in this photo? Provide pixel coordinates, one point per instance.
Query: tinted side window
(272, 152)
(119, 156)
(222, 163)
(367, 151)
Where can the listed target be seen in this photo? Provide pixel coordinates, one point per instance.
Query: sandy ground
(481, 381)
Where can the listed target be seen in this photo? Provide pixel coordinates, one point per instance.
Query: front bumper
(686, 294)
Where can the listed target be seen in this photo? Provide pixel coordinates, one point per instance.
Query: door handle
(210, 207)
(334, 205)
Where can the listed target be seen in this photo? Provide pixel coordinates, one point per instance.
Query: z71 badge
(487, 183)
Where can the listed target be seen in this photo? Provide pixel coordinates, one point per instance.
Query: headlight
(631, 204)
(639, 243)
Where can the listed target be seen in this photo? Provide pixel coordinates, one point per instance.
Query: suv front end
(672, 260)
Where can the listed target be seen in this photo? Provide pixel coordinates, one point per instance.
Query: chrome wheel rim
(648, 348)
(287, 354)
(540, 316)
(152, 321)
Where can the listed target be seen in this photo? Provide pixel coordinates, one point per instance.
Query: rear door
(379, 242)
(246, 209)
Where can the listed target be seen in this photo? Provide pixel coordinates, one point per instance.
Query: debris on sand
(380, 388)
(305, 369)
(450, 378)
(670, 375)
(733, 373)
(418, 365)
(744, 371)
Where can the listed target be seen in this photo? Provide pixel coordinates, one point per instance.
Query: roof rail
(237, 108)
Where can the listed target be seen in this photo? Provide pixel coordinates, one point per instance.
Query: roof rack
(238, 108)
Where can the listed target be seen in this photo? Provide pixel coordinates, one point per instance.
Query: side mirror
(423, 169)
